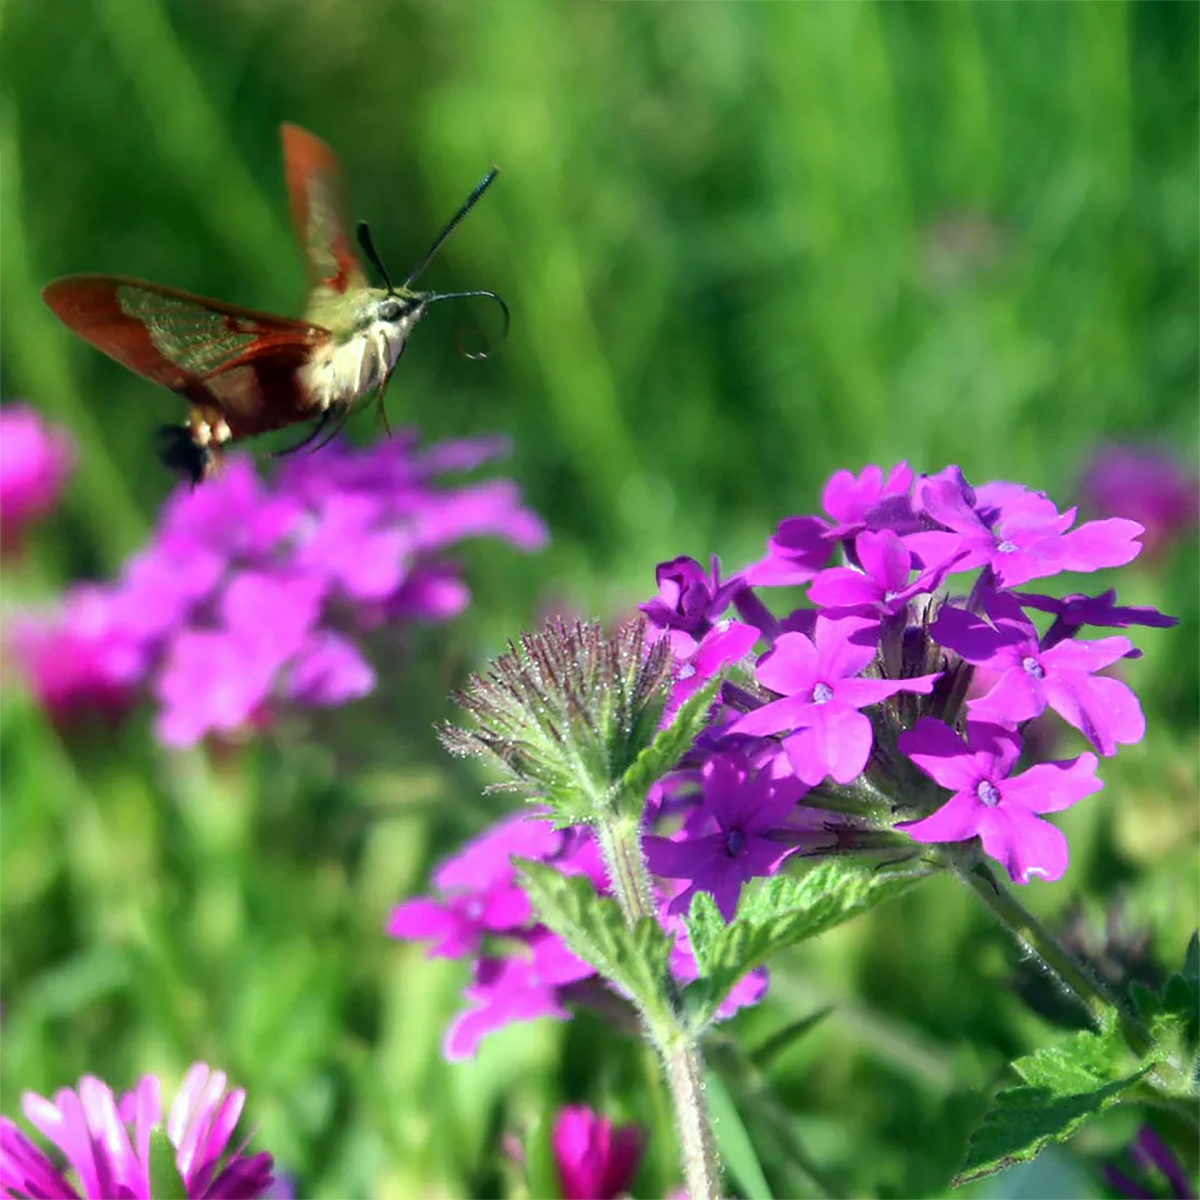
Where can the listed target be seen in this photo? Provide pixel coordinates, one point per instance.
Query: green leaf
(669, 746)
(165, 1180)
(782, 913)
(541, 1176)
(783, 1038)
(733, 1142)
(1063, 1088)
(634, 959)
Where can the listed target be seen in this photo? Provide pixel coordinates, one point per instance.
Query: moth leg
(383, 417)
(335, 431)
(317, 429)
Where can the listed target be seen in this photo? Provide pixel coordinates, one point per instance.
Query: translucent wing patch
(316, 195)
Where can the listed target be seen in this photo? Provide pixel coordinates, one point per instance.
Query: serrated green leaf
(165, 1180)
(1063, 1087)
(593, 927)
(669, 745)
(784, 912)
(733, 1142)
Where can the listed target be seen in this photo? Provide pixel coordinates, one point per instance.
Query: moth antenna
(468, 204)
(368, 248)
(464, 295)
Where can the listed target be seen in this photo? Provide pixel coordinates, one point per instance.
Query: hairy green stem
(1095, 997)
(678, 1048)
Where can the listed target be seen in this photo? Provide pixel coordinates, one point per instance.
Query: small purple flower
(1146, 485)
(1076, 610)
(1027, 679)
(479, 890)
(796, 551)
(882, 585)
(734, 836)
(726, 642)
(1002, 811)
(107, 1147)
(869, 501)
(690, 600)
(819, 680)
(595, 1160)
(1018, 533)
(521, 987)
(35, 460)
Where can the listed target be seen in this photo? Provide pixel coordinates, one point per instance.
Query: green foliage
(165, 1180)
(736, 1148)
(744, 245)
(593, 927)
(1064, 1087)
(668, 746)
(783, 912)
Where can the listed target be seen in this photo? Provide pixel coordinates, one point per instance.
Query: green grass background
(744, 244)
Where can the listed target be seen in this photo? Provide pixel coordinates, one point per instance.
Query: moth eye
(389, 309)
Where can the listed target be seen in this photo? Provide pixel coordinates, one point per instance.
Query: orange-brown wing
(172, 337)
(315, 190)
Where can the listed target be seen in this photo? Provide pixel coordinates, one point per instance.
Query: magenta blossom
(735, 835)
(822, 689)
(1028, 679)
(1002, 811)
(520, 987)
(250, 594)
(1146, 484)
(35, 460)
(106, 1147)
(869, 501)
(882, 585)
(480, 895)
(690, 600)
(595, 1160)
(1018, 533)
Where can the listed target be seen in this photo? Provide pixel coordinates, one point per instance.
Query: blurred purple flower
(1025, 680)
(1149, 1169)
(822, 689)
(35, 460)
(249, 593)
(106, 1146)
(595, 1160)
(1148, 485)
(987, 803)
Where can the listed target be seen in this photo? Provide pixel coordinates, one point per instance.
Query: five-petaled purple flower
(106, 1144)
(749, 810)
(1001, 810)
(822, 688)
(1025, 679)
(1018, 533)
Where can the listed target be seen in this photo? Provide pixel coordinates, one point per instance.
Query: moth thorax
(339, 373)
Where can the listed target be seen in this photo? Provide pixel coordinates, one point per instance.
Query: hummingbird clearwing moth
(245, 372)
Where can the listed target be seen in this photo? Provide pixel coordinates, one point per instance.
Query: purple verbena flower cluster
(35, 460)
(888, 676)
(520, 969)
(103, 1145)
(250, 594)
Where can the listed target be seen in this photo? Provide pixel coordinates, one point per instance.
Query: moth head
(401, 304)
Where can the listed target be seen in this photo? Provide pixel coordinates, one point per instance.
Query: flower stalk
(677, 1046)
(1087, 989)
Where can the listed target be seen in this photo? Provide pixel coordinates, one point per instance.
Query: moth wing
(317, 197)
(172, 337)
